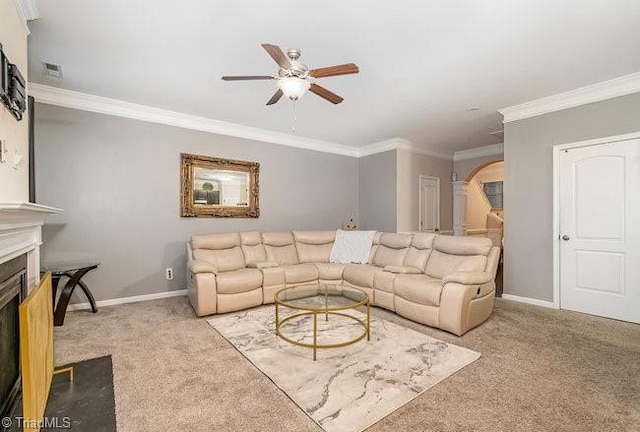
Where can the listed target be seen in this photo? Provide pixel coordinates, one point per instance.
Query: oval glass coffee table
(323, 300)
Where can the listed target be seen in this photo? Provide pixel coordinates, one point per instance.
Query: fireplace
(13, 289)
(20, 240)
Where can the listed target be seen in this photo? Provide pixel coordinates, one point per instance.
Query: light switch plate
(3, 151)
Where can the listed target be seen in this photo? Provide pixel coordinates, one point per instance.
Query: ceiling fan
(293, 76)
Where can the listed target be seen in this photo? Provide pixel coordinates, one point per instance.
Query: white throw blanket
(351, 247)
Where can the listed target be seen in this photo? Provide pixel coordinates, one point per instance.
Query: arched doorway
(478, 208)
(484, 214)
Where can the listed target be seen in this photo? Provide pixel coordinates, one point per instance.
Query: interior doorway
(429, 203)
(598, 235)
(483, 211)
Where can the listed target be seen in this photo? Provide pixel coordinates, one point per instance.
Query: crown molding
(379, 147)
(490, 150)
(27, 11)
(401, 144)
(98, 104)
(620, 86)
(423, 150)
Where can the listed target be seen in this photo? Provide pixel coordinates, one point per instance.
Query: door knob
(565, 237)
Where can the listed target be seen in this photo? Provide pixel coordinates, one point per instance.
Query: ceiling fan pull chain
(295, 117)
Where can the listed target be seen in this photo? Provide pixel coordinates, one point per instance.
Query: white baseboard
(529, 300)
(132, 299)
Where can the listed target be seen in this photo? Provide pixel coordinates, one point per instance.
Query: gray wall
(528, 185)
(377, 191)
(118, 181)
(464, 167)
(410, 167)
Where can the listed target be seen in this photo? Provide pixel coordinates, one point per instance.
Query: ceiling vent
(52, 70)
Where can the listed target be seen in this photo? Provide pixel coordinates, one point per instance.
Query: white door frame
(556, 200)
(427, 177)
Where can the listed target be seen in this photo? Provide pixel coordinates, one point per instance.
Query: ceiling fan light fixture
(293, 87)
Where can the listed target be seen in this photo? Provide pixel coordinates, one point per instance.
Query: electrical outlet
(169, 273)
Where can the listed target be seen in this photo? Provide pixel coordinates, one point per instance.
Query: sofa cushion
(441, 264)
(313, 253)
(383, 281)
(330, 271)
(215, 241)
(418, 253)
(314, 237)
(252, 248)
(419, 289)
(392, 250)
(280, 248)
(300, 273)
(238, 281)
(459, 245)
(262, 264)
(283, 238)
(374, 247)
(273, 276)
(314, 246)
(423, 240)
(250, 238)
(360, 274)
(223, 259)
(402, 269)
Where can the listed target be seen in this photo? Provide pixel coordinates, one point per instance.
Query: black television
(17, 91)
(12, 87)
(4, 78)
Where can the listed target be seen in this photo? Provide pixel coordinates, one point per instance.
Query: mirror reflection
(220, 187)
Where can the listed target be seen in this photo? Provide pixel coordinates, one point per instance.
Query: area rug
(349, 388)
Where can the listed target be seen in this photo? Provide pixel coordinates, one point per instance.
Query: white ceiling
(423, 64)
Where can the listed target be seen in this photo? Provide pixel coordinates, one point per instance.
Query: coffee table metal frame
(326, 311)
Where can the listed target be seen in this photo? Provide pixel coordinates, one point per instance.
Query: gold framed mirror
(215, 187)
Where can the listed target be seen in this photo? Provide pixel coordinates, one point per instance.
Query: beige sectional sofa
(441, 281)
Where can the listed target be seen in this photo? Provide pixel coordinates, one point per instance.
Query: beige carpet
(349, 388)
(540, 370)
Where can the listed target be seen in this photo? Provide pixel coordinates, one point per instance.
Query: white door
(600, 230)
(429, 204)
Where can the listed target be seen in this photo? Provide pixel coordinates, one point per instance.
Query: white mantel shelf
(27, 207)
(21, 233)
(20, 213)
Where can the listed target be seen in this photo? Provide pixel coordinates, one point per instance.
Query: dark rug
(86, 404)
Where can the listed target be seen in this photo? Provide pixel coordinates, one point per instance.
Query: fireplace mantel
(16, 212)
(21, 233)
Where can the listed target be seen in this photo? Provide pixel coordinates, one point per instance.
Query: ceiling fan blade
(325, 94)
(276, 53)
(344, 69)
(275, 98)
(247, 78)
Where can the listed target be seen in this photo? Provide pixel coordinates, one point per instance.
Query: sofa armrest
(457, 314)
(468, 278)
(402, 269)
(262, 265)
(199, 266)
(202, 287)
